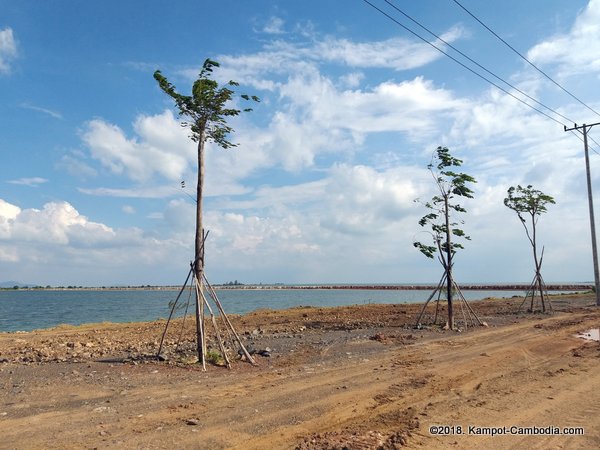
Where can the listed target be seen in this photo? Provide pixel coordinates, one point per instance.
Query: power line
(589, 138)
(462, 64)
(475, 62)
(472, 70)
(524, 58)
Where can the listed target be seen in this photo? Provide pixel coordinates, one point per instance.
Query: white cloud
(56, 223)
(315, 118)
(352, 80)
(164, 148)
(8, 213)
(405, 106)
(75, 164)
(284, 58)
(59, 236)
(274, 26)
(395, 53)
(47, 111)
(31, 182)
(163, 191)
(353, 215)
(577, 51)
(363, 200)
(8, 49)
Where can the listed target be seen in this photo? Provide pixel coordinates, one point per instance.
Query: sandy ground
(354, 377)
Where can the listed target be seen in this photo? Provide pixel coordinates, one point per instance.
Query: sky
(322, 185)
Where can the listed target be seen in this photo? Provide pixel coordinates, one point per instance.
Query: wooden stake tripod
(537, 285)
(199, 288)
(466, 311)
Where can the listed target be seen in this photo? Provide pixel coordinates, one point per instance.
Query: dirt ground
(328, 378)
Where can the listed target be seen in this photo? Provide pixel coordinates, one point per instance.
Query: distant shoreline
(374, 287)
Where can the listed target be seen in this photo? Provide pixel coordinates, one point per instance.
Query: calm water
(29, 310)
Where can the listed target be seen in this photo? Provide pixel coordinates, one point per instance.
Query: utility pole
(585, 129)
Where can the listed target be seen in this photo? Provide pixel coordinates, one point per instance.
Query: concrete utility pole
(585, 129)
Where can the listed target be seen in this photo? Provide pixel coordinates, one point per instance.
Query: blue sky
(322, 185)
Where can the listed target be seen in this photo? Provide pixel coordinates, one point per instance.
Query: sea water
(25, 310)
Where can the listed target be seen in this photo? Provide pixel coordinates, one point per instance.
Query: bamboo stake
(529, 292)
(202, 318)
(547, 295)
(200, 327)
(437, 303)
(213, 294)
(214, 322)
(428, 300)
(468, 306)
(462, 310)
(187, 306)
(162, 339)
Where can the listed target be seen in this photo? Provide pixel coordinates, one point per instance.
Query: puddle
(590, 335)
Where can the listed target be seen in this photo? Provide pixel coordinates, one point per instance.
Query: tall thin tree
(205, 112)
(444, 229)
(530, 204)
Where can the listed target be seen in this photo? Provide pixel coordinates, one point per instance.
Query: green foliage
(206, 107)
(527, 200)
(451, 184)
(529, 203)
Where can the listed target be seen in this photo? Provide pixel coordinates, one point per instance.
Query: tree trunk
(199, 248)
(449, 281)
(538, 268)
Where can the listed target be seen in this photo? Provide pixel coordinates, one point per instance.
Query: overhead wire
(525, 58)
(462, 64)
(414, 33)
(475, 62)
(556, 83)
(595, 142)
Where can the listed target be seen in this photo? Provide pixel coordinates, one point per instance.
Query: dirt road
(330, 383)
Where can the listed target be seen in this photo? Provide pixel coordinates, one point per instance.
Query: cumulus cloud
(315, 118)
(363, 200)
(8, 213)
(162, 147)
(59, 236)
(354, 214)
(57, 223)
(8, 49)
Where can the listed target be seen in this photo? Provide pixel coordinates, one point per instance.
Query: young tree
(530, 204)
(205, 112)
(444, 230)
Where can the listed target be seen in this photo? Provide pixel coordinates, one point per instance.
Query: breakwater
(412, 287)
